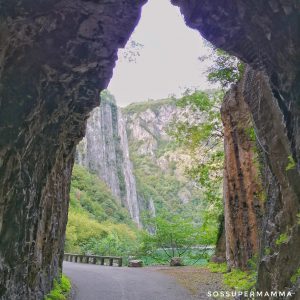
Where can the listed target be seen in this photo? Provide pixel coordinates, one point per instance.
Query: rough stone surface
(266, 35)
(176, 262)
(55, 57)
(243, 191)
(279, 260)
(104, 150)
(220, 251)
(135, 263)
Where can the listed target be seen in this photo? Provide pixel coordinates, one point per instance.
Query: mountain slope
(97, 222)
(159, 163)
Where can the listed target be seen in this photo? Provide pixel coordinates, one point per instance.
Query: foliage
(208, 106)
(97, 223)
(240, 280)
(236, 278)
(61, 289)
(91, 194)
(291, 163)
(217, 268)
(227, 69)
(205, 142)
(295, 277)
(131, 51)
(150, 104)
(281, 239)
(175, 235)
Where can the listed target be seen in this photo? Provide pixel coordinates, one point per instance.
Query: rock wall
(104, 150)
(280, 242)
(55, 56)
(243, 191)
(266, 35)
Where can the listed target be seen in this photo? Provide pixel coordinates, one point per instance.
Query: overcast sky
(168, 62)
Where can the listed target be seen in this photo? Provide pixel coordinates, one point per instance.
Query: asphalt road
(94, 282)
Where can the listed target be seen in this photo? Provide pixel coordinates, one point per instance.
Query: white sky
(168, 62)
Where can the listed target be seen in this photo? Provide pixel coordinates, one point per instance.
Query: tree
(131, 51)
(174, 235)
(227, 69)
(203, 137)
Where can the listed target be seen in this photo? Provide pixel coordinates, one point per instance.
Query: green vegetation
(175, 236)
(283, 238)
(236, 278)
(217, 268)
(291, 163)
(150, 104)
(240, 280)
(61, 289)
(298, 218)
(226, 69)
(207, 137)
(91, 195)
(267, 251)
(295, 277)
(97, 222)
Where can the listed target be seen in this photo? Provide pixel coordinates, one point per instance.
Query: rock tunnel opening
(44, 107)
(122, 144)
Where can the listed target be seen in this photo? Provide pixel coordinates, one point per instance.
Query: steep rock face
(243, 191)
(104, 150)
(155, 153)
(280, 241)
(55, 56)
(266, 35)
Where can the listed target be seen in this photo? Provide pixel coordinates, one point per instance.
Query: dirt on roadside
(199, 281)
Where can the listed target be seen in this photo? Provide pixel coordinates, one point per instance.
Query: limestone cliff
(159, 161)
(243, 191)
(104, 150)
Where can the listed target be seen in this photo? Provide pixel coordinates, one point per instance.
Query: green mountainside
(159, 162)
(97, 222)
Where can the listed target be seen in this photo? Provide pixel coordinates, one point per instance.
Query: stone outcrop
(265, 34)
(280, 242)
(104, 150)
(243, 191)
(55, 56)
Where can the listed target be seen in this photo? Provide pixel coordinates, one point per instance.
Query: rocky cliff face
(104, 150)
(280, 240)
(266, 36)
(243, 192)
(159, 162)
(55, 56)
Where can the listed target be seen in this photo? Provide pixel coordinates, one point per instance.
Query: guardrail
(93, 259)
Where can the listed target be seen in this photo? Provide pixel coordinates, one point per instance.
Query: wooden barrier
(93, 259)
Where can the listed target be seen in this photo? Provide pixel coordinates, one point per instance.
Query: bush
(61, 289)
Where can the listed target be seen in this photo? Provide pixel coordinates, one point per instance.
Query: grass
(281, 239)
(217, 268)
(61, 289)
(236, 279)
(240, 280)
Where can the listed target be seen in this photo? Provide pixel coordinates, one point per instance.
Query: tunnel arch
(56, 56)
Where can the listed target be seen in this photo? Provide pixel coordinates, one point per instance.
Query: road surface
(95, 282)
